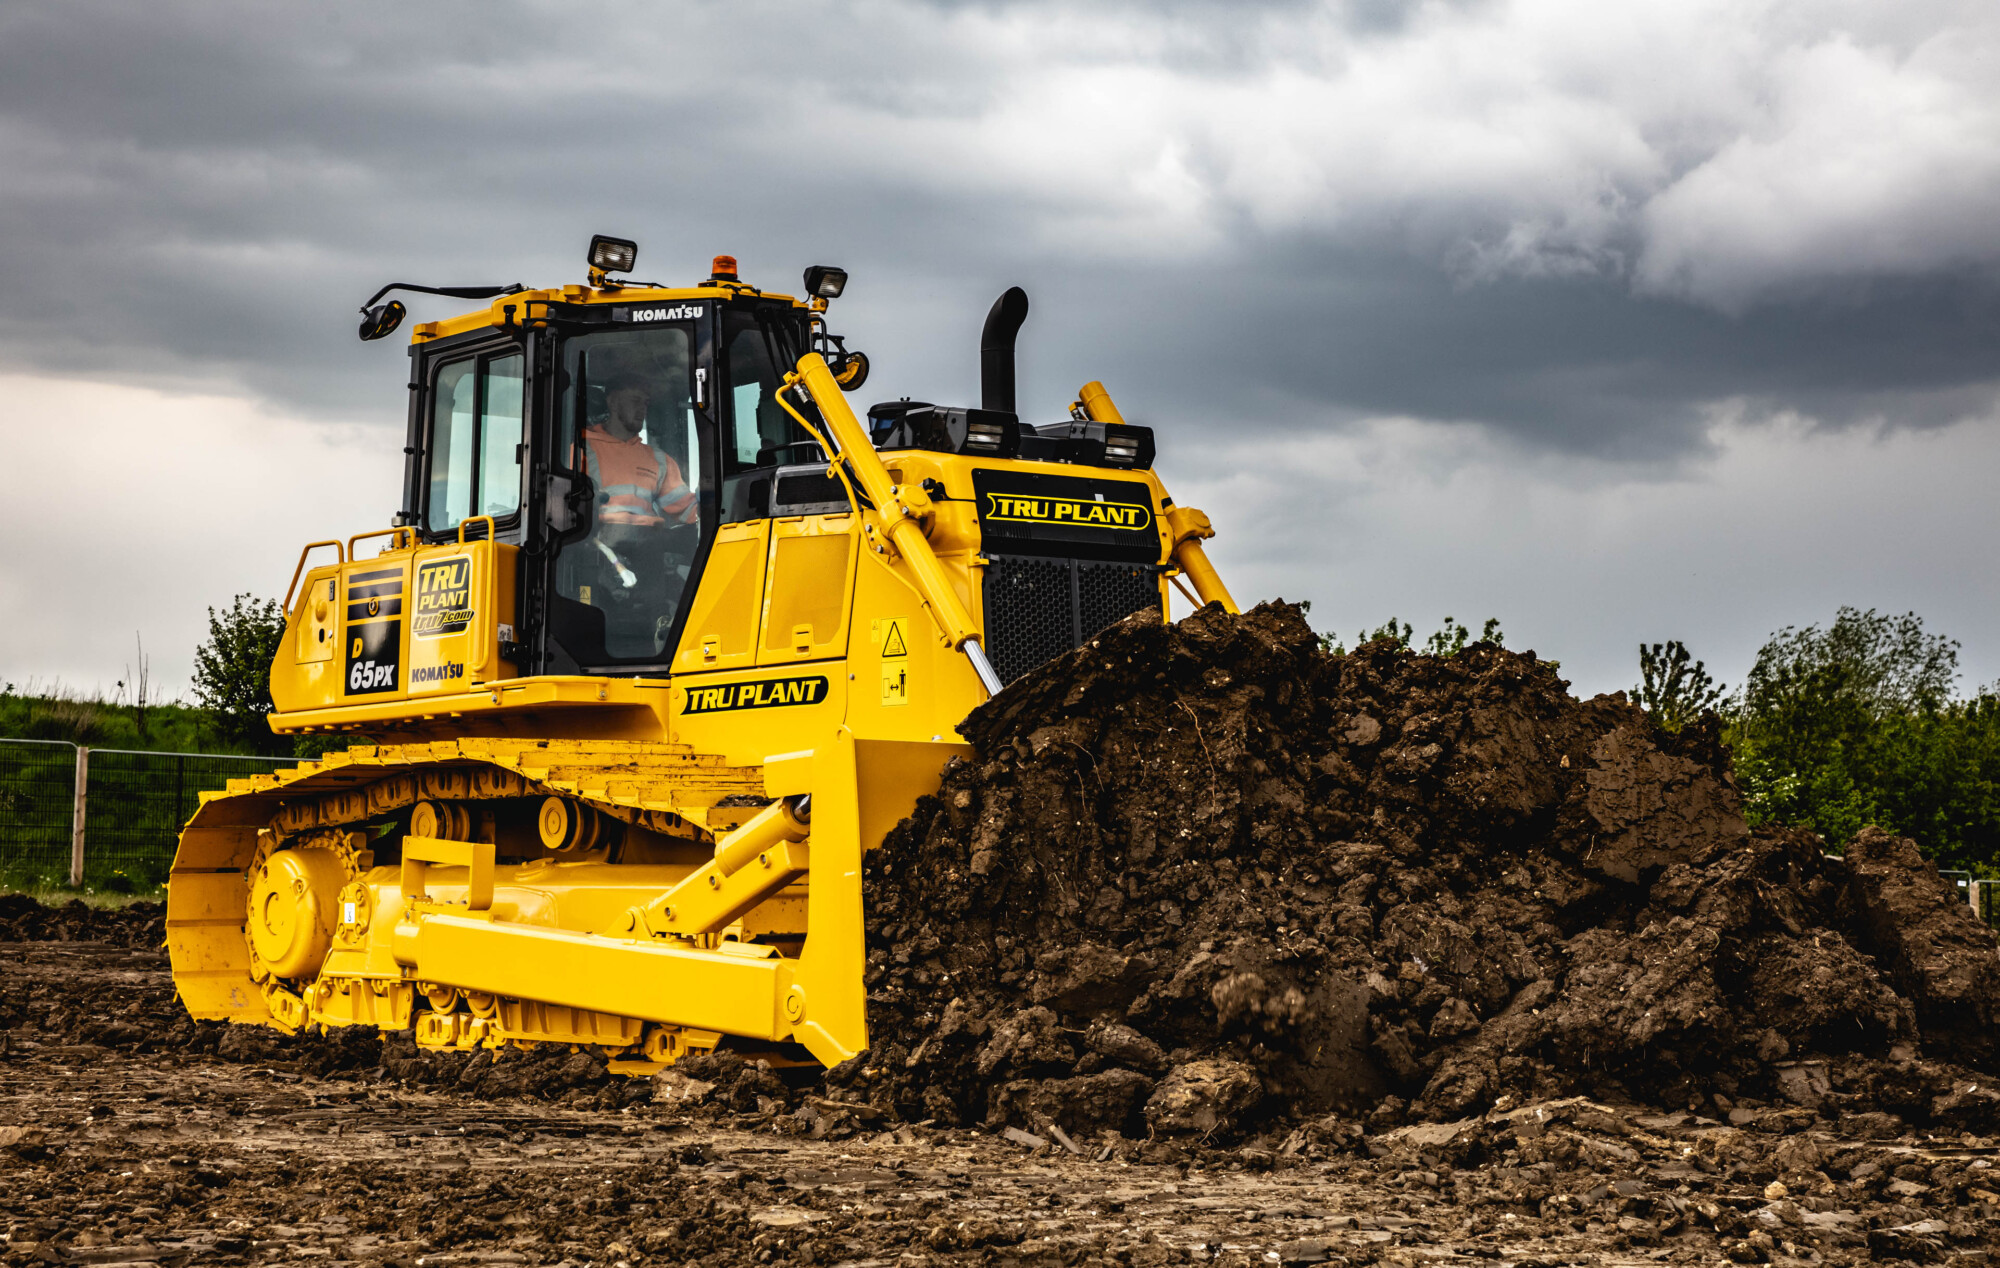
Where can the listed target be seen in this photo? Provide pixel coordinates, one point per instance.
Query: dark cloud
(1560, 233)
(202, 193)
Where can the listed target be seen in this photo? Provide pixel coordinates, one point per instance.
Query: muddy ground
(1221, 947)
(131, 1136)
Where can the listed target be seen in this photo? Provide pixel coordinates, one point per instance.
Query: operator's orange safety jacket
(636, 483)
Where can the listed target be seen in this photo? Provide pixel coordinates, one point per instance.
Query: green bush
(1839, 728)
(1673, 687)
(1448, 640)
(232, 673)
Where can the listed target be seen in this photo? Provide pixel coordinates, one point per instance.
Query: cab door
(634, 436)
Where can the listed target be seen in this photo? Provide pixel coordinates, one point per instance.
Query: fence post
(76, 817)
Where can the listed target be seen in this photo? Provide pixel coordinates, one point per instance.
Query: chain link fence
(121, 832)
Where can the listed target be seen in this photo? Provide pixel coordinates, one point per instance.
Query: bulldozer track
(655, 785)
(332, 806)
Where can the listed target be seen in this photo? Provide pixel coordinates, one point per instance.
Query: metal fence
(107, 817)
(1984, 899)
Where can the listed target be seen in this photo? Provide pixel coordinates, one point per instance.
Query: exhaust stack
(996, 350)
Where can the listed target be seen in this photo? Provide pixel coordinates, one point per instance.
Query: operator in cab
(646, 521)
(637, 482)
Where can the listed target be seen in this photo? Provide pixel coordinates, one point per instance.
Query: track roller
(568, 825)
(443, 819)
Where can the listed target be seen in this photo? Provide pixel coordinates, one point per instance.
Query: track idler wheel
(573, 826)
(293, 910)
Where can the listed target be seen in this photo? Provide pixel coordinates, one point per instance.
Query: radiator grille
(1037, 608)
(1108, 593)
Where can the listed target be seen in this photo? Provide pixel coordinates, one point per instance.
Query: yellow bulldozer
(662, 638)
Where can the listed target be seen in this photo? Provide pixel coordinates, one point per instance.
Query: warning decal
(889, 632)
(895, 682)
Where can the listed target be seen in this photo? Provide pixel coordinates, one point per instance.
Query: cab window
(477, 415)
(761, 433)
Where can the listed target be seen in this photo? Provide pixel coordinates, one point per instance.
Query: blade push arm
(1189, 527)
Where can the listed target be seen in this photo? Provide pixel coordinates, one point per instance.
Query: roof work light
(823, 281)
(613, 255)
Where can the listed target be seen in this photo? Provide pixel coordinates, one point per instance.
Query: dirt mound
(1205, 872)
(22, 919)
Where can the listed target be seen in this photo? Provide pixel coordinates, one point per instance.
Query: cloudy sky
(1664, 319)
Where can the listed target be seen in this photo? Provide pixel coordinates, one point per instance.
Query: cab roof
(512, 310)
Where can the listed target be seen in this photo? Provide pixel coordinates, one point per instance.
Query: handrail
(232, 757)
(485, 634)
(300, 570)
(362, 537)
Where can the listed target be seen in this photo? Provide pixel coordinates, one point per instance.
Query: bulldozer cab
(609, 444)
(648, 513)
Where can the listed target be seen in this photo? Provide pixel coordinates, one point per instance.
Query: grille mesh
(1108, 593)
(1030, 613)
(1039, 608)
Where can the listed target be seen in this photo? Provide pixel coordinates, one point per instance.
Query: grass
(55, 712)
(138, 800)
(56, 895)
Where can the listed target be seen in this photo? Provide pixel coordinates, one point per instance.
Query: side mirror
(382, 319)
(850, 370)
(561, 510)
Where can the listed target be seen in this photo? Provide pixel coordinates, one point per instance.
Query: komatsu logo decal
(444, 598)
(1018, 509)
(676, 312)
(767, 694)
(424, 675)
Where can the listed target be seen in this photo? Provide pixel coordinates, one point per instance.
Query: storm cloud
(1538, 249)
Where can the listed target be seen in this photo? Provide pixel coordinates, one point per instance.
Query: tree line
(1853, 724)
(1834, 728)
